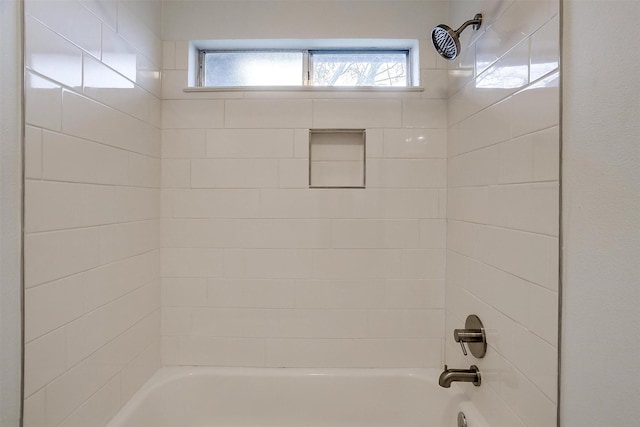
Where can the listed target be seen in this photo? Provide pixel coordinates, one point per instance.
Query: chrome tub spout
(471, 375)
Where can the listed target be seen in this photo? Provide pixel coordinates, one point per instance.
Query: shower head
(447, 41)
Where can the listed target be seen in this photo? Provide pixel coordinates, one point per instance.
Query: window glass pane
(253, 69)
(359, 69)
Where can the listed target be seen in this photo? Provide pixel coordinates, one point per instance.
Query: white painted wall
(10, 211)
(601, 214)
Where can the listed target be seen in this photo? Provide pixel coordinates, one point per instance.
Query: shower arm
(476, 22)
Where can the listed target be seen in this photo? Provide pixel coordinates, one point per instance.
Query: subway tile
(134, 29)
(92, 331)
(216, 203)
(543, 313)
(301, 143)
(34, 408)
(488, 127)
(234, 322)
(360, 234)
(211, 351)
(461, 237)
(176, 173)
(369, 293)
(192, 262)
(356, 113)
(267, 113)
(250, 143)
(293, 173)
(44, 360)
(123, 240)
(546, 155)
(357, 263)
(184, 291)
(168, 55)
(139, 370)
(66, 158)
(268, 263)
(434, 83)
(527, 207)
(71, 20)
(476, 168)
(176, 321)
(99, 408)
(112, 89)
(415, 143)
(433, 234)
(120, 55)
(536, 107)
(76, 385)
(182, 54)
(406, 323)
(468, 204)
(52, 305)
(424, 113)
(193, 114)
(202, 233)
(183, 143)
(545, 49)
(52, 56)
(538, 360)
(525, 255)
(345, 353)
(55, 205)
(32, 152)
(50, 256)
(110, 282)
(286, 233)
(395, 203)
(234, 173)
(43, 102)
(250, 293)
(406, 173)
(305, 324)
(423, 264)
(144, 171)
(106, 10)
(136, 203)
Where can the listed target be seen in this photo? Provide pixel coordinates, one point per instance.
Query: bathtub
(234, 397)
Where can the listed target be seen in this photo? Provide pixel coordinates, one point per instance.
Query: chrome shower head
(447, 41)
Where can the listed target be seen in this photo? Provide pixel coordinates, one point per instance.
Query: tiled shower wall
(503, 199)
(260, 270)
(92, 207)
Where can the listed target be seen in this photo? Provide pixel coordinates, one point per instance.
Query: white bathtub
(234, 397)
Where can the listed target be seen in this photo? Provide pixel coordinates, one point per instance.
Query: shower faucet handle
(473, 334)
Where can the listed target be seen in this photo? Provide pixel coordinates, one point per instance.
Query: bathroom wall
(503, 206)
(92, 206)
(601, 216)
(260, 270)
(10, 212)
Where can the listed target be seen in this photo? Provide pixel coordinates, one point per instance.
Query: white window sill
(305, 89)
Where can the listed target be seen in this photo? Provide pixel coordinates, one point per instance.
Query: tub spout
(471, 375)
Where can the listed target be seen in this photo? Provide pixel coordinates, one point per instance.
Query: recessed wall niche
(337, 158)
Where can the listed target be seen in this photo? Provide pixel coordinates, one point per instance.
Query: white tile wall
(503, 208)
(92, 261)
(260, 270)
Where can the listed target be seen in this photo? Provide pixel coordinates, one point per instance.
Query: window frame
(307, 64)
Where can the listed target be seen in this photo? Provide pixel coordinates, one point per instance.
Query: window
(305, 67)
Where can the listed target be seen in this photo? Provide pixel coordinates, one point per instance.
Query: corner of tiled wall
(92, 207)
(503, 206)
